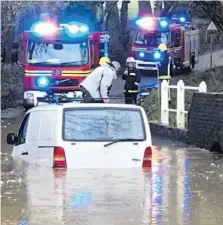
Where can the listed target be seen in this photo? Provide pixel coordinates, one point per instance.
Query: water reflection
(187, 191)
(162, 187)
(180, 189)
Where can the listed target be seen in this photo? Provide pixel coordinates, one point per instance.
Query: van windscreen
(102, 124)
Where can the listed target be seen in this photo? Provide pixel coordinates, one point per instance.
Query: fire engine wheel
(189, 68)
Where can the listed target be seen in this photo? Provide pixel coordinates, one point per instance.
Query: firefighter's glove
(136, 83)
(105, 100)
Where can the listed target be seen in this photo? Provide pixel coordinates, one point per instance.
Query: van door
(25, 149)
(88, 144)
(47, 137)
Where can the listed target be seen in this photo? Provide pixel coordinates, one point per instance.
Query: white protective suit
(99, 81)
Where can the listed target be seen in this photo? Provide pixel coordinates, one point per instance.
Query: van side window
(175, 38)
(23, 130)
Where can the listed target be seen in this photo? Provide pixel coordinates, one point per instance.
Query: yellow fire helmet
(162, 47)
(104, 60)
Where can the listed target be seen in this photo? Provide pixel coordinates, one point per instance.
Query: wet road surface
(184, 186)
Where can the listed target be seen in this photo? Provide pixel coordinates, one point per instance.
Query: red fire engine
(57, 57)
(181, 38)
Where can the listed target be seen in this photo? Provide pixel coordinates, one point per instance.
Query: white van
(84, 136)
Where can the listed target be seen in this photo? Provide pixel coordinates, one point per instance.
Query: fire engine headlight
(83, 29)
(182, 19)
(42, 82)
(141, 54)
(157, 55)
(156, 85)
(163, 23)
(73, 29)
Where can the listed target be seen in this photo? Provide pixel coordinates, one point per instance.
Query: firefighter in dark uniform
(165, 65)
(132, 79)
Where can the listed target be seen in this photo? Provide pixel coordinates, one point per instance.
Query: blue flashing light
(182, 19)
(157, 55)
(42, 82)
(141, 54)
(76, 29)
(44, 28)
(156, 85)
(146, 23)
(164, 23)
(73, 29)
(84, 29)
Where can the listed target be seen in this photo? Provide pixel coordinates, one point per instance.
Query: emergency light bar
(44, 29)
(153, 23)
(74, 27)
(180, 18)
(146, 23)
(51, 29)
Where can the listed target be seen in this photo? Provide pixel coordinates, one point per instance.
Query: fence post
(203, 87)
(164, 103)
(180, 104)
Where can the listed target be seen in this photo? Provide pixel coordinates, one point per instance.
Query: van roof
(82, 105)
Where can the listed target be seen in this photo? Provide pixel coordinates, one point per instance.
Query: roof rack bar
(59, 100)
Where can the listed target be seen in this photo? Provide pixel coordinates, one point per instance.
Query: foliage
(210, 9)
(11, 85)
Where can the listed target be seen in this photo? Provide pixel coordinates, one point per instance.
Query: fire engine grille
(148, 56)
(63, 82)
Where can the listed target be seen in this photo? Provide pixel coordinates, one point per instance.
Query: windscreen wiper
(61, 81)
(71, 63)
(40, 63)
(121, 140)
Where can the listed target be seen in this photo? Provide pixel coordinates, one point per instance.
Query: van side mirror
(15, 45)
(12, 139)
(58, 46)
(14, 56)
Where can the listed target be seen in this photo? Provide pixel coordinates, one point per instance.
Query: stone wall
(168, 133)
(205, 121)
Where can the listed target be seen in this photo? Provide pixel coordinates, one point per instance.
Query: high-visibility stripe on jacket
(131, 91)
(168, 75)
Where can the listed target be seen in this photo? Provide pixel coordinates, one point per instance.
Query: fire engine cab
(57, 57)
(181, 38)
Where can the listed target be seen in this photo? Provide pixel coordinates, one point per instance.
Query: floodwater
(183, 187)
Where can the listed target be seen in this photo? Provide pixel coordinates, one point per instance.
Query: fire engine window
(74, 54)
(139, 38)
(165, 38)
(152, 39)
(175, 38)
(101, 49)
